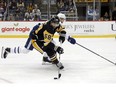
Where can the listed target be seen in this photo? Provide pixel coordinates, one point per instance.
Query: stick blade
(59, 75)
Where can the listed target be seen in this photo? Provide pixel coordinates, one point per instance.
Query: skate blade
(2, 50)
(46, 63)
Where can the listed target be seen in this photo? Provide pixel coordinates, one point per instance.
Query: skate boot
(5, 52)
(59, 65)
(46, 61)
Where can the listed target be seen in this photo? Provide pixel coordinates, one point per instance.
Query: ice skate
(59, 65)
(46, 61)
(5, 52)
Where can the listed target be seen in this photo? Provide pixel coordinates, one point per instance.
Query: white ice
(82, 67)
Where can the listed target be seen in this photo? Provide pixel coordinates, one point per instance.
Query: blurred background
(42, 10)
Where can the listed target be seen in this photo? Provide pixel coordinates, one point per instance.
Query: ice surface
(82, 68)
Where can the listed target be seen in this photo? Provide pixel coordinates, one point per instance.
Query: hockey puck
(55, 78)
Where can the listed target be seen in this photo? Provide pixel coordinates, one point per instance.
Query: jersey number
(47, 36)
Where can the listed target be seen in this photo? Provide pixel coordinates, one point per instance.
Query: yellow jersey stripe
(41, 26)
(36, 46)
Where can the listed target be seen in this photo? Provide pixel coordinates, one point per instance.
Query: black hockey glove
(62, 36)
(61, 39)
(60, 50)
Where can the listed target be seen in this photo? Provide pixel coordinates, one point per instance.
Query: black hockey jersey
(46, 32)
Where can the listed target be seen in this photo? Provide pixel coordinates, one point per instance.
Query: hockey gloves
(60, 50)
(61, 39)
(71, 40)
(62, 36)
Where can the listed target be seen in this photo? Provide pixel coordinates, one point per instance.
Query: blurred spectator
(17, 17)
(20, 10)
(92, 14)
(69, 6)
(1, 12)
(1, 17)
(20, 4)
(97, 12)
(106, 17)
(36, 13)
(13, 5)
(11, 17)
(3, 4)
(30, 7)
(2, 9)
(28, 16)
(60, 5)
(114, 14)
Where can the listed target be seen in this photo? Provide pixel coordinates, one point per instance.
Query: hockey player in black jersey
(42, 39)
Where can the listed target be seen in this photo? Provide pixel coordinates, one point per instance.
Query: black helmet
(55, 20)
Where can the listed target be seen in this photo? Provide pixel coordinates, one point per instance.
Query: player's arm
(64, 36)
(34, 35)
(35, 39)
(51, 45)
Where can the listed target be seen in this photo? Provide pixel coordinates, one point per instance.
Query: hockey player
(62, 17)
(42, 39)
(29, 46)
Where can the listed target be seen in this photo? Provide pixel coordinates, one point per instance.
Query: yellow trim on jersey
(36, 46)
(61, 28)
(41, 26)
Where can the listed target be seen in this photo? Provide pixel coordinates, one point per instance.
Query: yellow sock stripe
(53, 58)
(36, 46)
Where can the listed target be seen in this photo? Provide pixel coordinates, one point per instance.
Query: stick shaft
(96, 53)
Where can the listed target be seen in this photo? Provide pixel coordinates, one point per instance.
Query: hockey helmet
(61, 15)
(56, 21)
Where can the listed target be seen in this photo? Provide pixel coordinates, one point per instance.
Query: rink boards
(77, 29)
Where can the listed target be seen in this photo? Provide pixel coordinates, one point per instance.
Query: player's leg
(46, 58)
(27, 48)
(53, 56)
(17, 50)
(38, 46)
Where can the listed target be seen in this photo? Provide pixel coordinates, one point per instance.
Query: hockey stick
(96, 54)
(59, 74)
